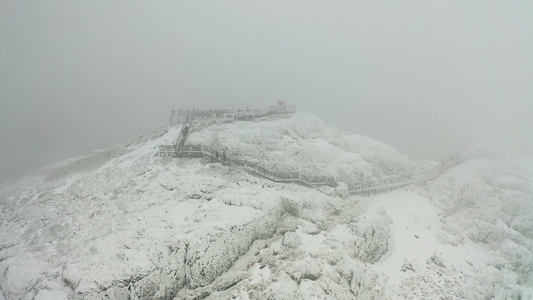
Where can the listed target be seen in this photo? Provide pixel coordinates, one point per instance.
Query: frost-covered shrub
(372, 238)
(306, 269)
(342, 190)
(522, 263)
(367, 284)
(466, 195)
(437, 259)
(284, 289)
(517, 205)
(363, 282)
(524, 225)
(483, 232)
(408, 266)
(451, 234)
(291, 207)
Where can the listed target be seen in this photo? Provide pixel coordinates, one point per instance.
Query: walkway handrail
(364, 187)
(192, 115)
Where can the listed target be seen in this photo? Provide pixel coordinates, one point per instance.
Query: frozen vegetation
(124, 223)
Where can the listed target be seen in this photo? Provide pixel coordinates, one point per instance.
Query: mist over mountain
(429, 78)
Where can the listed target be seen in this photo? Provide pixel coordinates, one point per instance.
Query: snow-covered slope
(123, 223)
(304, 143)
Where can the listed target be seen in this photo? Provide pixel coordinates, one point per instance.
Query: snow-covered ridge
(124, 223)
(381, 182)
(303, 142)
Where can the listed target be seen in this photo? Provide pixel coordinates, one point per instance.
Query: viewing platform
(182, 116)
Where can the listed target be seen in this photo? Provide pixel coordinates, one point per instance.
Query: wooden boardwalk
(363, 188)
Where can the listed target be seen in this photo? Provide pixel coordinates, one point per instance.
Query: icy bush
(480, 231)
(521, 260)
(284, 289)
(524, 225)
(364, 283)
(372, 238)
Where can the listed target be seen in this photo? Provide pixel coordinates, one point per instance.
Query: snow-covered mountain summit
(125, 223)
(304, 143)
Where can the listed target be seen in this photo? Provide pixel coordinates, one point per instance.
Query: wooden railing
(365, 187)
(360, 188)
(227, 115)
(379, 186)
(392, 183)
(251, 167)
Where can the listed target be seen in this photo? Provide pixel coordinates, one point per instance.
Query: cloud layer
(426, 78)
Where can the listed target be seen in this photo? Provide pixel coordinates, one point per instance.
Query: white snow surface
(304, 143)
(124, 223)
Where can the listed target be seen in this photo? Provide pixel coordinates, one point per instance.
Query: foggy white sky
(429, 78)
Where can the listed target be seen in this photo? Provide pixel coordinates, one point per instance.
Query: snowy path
(414, 238)
(413, 229)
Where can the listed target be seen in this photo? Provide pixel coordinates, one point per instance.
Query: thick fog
(429, 78)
